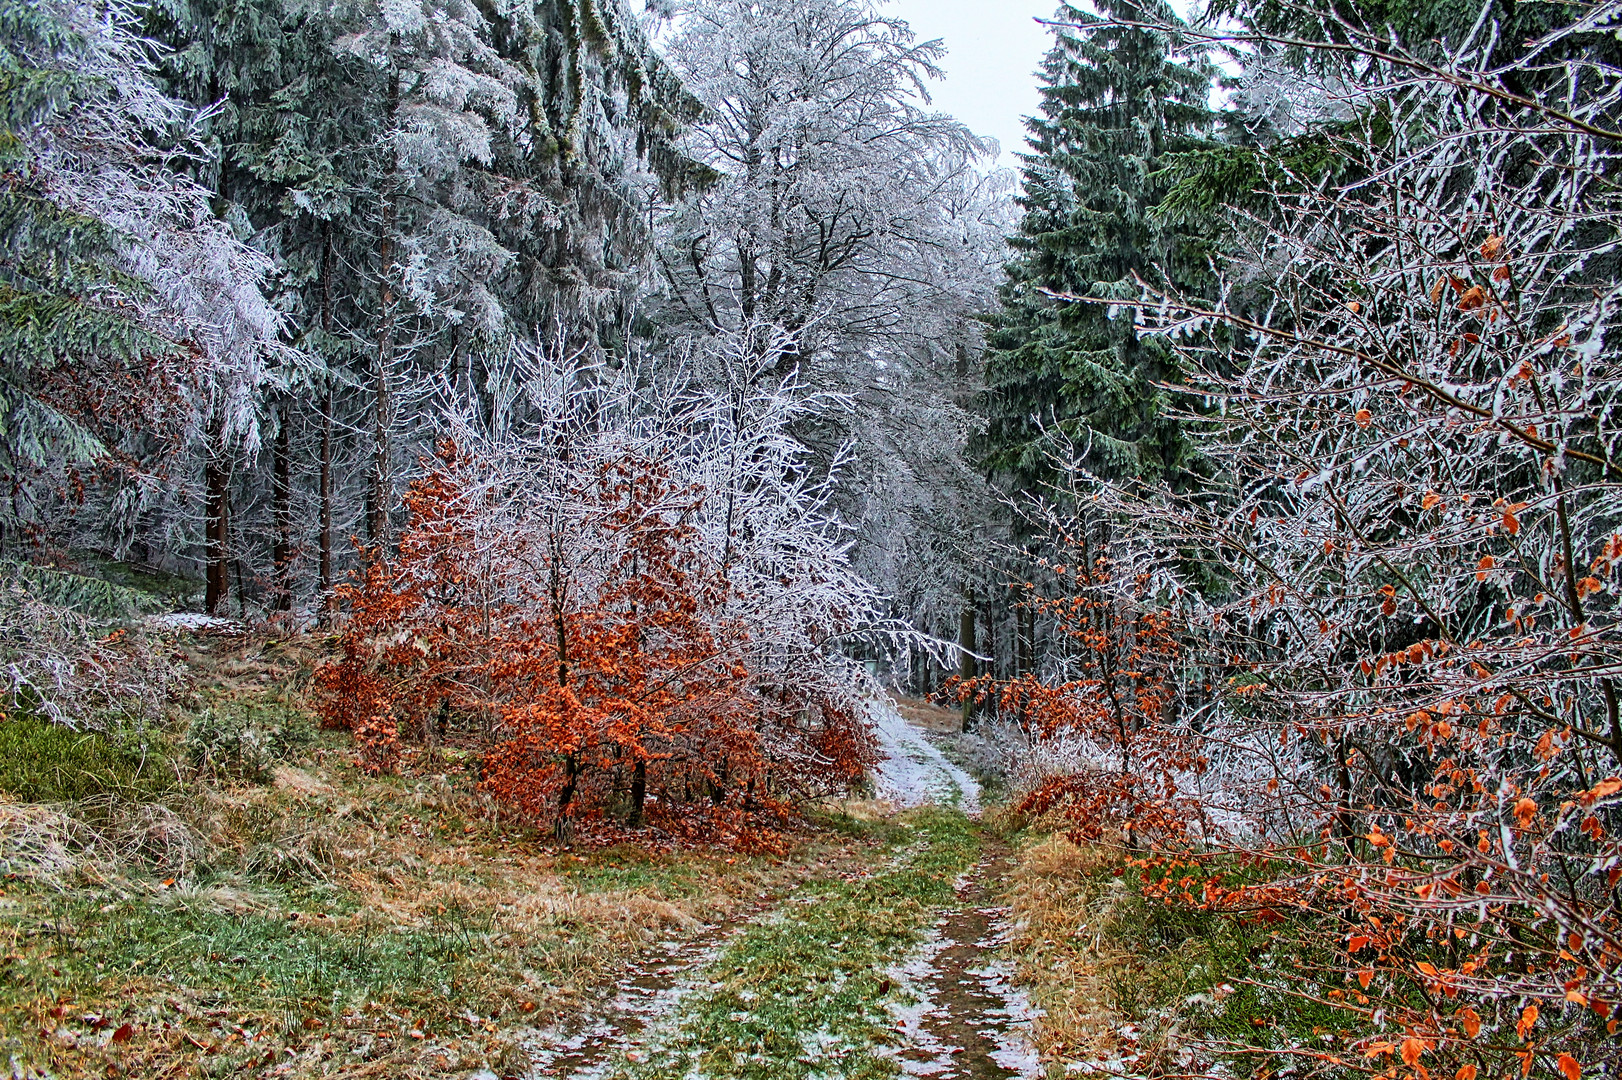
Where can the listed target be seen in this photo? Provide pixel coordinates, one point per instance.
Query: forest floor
(307, 920)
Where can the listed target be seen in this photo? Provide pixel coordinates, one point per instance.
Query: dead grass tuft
(866, 811)
(94, 841)
(1061, 909)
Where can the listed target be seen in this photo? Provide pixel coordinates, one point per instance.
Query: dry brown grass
(1062, 908)
(327, 853)
(929, 716)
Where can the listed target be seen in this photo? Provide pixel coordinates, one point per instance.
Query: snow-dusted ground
(913, 771)
(959, 1013)
(195, 622)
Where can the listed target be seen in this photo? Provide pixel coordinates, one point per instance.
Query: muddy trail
(970, 1022)
(954, 1011)
(649, 991)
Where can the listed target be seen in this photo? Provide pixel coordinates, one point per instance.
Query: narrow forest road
(895, 969)
(968, 1020)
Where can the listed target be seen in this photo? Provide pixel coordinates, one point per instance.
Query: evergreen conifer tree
(1116, 100)
(129, 316)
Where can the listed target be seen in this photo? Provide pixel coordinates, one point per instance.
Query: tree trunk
(377, 523)
(639, 791)
(216, 527)
(563, 830)
(281, 510)
(326, 500)
(966, 650)
(1026, 659)
(325, 542)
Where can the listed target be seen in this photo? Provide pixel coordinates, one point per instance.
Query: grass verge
(1129, 985)
(804, 995)
(45, 762)
(294, 917)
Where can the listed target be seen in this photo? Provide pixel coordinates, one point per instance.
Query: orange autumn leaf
(1466, 1072)
(1604, 789)
(1529, 1018)
(1471, 1022)
(1525, 811)
(1569, 1065)
(1363, 418)
(1412, 1051)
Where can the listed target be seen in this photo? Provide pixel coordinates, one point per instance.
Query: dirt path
(955, 1008)
(649, 991)
(969, 1021)
(913, 770)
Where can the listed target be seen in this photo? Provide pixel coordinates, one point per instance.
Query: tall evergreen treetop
(1116, 100)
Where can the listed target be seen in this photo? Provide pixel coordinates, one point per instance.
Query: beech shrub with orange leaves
(636, 621)
(1109, 695)
(1389, 600)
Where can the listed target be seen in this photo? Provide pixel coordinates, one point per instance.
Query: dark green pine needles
(65, 319)
(1118, 97)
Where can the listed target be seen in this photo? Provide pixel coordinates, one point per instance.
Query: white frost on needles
(913, 771)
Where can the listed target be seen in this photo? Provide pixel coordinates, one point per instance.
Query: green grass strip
(803, 995)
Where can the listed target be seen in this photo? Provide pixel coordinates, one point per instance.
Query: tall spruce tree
(1117, 98)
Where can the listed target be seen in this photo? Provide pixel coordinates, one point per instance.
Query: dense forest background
(632, 394)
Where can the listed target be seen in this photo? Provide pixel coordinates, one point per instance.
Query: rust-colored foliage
(596, 649)
(1116, 699)
(642, 676)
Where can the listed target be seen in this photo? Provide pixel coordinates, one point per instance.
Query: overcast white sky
(996, 47)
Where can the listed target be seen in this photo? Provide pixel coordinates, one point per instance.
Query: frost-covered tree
(1117, 99)
(838, 211)
(639, 592)
(850, 233)
(133, 318)
(432, 183)
(1394, 592)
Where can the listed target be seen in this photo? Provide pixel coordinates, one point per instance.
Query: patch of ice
(644, 1010)
(913, 771)
(918, 1052)
(1016, 1041)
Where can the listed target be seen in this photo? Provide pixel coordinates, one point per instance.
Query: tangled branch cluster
(1393, 587)
(641, 607)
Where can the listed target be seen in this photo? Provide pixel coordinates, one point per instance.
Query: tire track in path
(651, 990)
(967, 1020)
